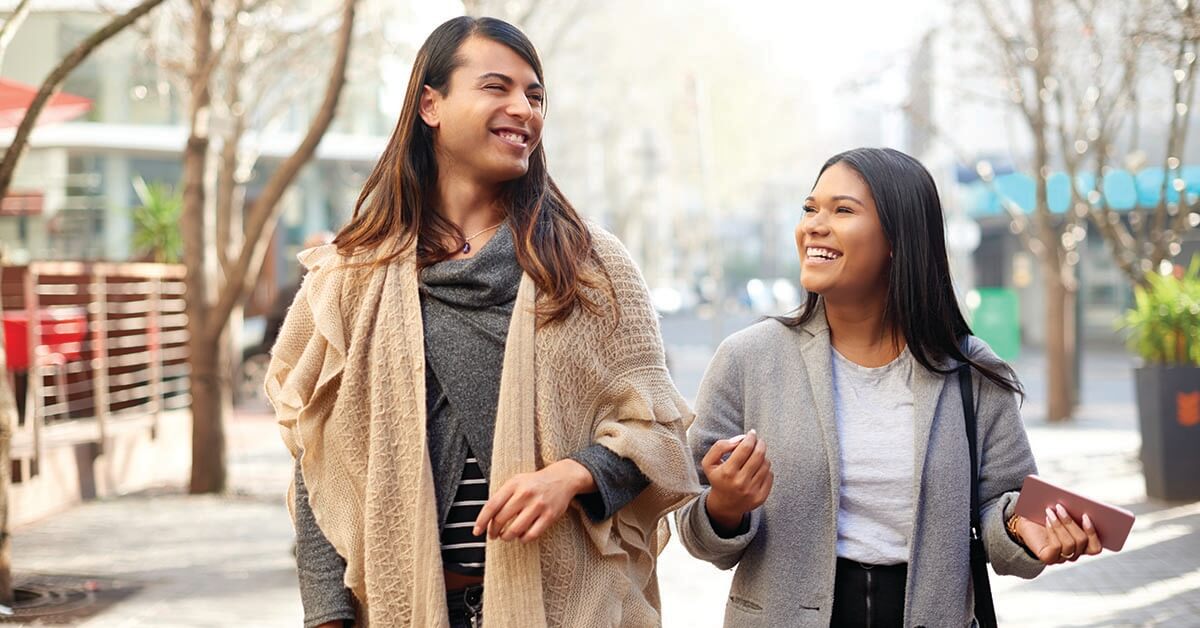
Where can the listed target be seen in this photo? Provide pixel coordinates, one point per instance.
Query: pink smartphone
(1112, 523)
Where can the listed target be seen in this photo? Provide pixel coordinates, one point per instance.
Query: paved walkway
(211, 561)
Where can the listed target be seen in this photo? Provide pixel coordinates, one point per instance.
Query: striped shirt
(463, 552)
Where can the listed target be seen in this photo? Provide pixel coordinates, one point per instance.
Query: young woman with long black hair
(860, 516)
(470, 359)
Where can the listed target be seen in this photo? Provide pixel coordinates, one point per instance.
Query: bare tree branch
(9, 29)
(53, 83)
(266, 208)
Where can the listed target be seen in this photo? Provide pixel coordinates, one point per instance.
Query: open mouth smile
(821, 255)
(514, 137)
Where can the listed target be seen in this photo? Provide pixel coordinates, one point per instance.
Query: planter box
(1169, 414)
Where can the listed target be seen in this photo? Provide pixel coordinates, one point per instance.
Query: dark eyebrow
(506, 79)
(840, 197)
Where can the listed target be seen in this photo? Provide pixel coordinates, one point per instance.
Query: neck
(467, 203)
(860, 332)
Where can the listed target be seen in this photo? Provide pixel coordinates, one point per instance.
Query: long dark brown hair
(396, 206)
(920, 301)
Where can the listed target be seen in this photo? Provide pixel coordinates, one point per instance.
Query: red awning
(15, 98)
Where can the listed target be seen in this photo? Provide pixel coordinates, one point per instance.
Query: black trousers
(465, 605)
(868, 596)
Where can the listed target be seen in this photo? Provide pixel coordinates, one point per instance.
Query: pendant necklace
(467, 242)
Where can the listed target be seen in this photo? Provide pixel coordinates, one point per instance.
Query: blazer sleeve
(720, 413)
(1005, 460)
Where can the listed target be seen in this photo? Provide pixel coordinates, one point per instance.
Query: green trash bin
(996, 318)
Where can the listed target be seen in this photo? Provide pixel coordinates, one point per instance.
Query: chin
(511, 171)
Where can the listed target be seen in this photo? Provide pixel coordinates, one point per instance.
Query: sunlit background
(1062, 136)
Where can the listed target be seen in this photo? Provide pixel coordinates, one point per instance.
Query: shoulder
(332, 279)
(979, 351)
(765, 339)
(611, 253)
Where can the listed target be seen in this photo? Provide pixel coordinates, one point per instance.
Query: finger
(512, 508)
(719, 449)
(521, 522)
(764, 490)
(541, 525)
(1093, 546)
(759, 476)
(1060, 532)
(759, 456)
(738, 458)
(489, 510)
(1051, 551)
(1079, 538)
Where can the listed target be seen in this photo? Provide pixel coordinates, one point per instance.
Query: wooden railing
(92, 348)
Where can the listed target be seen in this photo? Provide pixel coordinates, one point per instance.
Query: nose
(813, 224)
(519, 107)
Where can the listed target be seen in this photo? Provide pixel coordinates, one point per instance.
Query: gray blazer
(778, 381)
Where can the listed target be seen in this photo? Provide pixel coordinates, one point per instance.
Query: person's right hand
(741, 483)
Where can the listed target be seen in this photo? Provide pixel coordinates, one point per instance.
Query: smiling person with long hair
(860, 515)
(471, 378)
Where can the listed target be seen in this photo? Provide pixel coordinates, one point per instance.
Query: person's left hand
(529, 503)
(1060, 538)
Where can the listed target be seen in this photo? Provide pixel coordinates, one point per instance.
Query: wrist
(725, 518)
(578, 477)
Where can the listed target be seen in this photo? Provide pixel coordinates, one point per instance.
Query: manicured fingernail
(737, 439)
(1087, 523)
(754, 432)
(1062, 512)
(1050, 516)
(1048, 522)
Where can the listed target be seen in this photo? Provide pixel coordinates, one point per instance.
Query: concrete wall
(134, 459)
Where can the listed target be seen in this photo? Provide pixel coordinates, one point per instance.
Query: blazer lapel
(927, 390)
(818, 364)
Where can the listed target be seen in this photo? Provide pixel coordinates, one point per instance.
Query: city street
(210, 561)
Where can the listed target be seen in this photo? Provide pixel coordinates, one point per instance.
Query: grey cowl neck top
(466, 306)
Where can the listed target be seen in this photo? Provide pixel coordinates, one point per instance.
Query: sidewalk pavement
(211, 561)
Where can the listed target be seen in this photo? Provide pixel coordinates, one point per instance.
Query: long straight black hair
(920, 302)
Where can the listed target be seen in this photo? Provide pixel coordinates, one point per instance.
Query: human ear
(428, 106)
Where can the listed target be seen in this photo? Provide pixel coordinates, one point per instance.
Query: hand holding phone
(1059, 525)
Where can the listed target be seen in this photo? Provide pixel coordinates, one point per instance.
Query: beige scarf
(347, 383)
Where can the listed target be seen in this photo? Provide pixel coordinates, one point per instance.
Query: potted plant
(1164, 330)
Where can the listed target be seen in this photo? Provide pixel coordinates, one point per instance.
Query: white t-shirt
(874, 413)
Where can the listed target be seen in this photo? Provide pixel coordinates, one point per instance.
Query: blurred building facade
(81, 172)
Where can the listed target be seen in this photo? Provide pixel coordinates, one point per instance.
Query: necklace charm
(467, 241)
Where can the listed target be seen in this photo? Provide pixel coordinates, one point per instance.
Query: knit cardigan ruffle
(346, 380)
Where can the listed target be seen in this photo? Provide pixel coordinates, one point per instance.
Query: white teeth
(813, 251)
(512, 137)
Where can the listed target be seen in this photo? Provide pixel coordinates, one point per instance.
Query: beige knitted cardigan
(347, 383)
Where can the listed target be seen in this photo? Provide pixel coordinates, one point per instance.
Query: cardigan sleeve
(618, 481)
(318, 566)
(1005, 460)
(719, 415)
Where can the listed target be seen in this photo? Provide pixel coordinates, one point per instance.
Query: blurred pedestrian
(470, 359)
(861, 514)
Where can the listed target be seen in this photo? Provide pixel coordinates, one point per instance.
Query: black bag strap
(985, 610)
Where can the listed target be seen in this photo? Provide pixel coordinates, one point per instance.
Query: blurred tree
(241, 64)
(1077, 73)
(8, 165)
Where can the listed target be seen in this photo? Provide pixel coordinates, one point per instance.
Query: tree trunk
(1058, 393)
(211, 403)
(53, 83)
(209, 306)
(208, 432)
